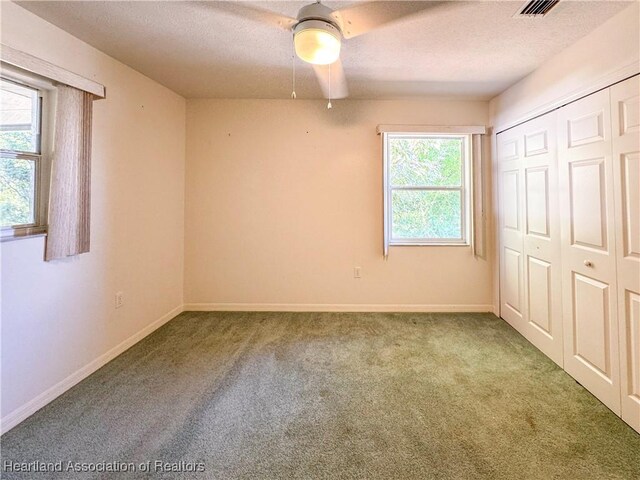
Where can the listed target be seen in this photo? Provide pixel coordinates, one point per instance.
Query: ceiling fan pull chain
(293, 62)
(329, 104)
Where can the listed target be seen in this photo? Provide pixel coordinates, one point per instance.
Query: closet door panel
(541, 237)
(630, 211)
(625, 113)
(511, 198)
(513, 281)
(631, 359)
(592, 324)
(537, 194)
(531, 297)
(510, 191)
(591, 353)
(588, 203)
(539, 291)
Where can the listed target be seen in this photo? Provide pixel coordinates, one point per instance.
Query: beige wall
(284, 199)
(59, 317)
(606, 55)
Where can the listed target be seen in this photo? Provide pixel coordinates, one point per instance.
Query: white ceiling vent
(536, 8)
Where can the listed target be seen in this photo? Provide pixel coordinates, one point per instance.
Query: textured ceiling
(206, 49)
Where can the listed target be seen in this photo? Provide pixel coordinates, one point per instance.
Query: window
(426, 188)
(22, 195)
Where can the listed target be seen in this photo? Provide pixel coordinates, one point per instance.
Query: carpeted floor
(331, 395)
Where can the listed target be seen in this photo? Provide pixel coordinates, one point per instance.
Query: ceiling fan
(318, 32)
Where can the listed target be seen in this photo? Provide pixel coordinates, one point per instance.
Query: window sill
(10, 234)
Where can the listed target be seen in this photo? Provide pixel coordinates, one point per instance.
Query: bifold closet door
(531, 299)
(591, 353)
(625, 113)
(510, 172)
(542, 262)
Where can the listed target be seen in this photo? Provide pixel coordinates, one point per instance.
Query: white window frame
(464, 188)
(41, 158)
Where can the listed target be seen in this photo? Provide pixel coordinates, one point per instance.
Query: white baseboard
(329, 307)
(21, 413)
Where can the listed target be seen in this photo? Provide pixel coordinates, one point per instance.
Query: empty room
(296, 240)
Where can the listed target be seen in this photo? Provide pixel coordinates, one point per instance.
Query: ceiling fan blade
(364, 17)
(257, 14)
(332, 80)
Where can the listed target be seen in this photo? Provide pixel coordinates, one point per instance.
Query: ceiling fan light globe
(317, 42)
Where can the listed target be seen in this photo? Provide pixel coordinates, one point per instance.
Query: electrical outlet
(356, 272)
(119, 299)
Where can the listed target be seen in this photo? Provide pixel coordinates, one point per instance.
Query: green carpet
(332, 395)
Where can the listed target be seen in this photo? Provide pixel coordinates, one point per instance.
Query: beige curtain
(478, 188)
(69, 197)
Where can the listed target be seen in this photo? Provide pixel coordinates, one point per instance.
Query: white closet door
(589, 301)
(530, 292)
(541, 235)
(625, 113)
(510, 171)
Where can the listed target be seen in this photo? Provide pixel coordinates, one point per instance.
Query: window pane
(425, 161)
(17, 191)
(19, 118)
(425, 214)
